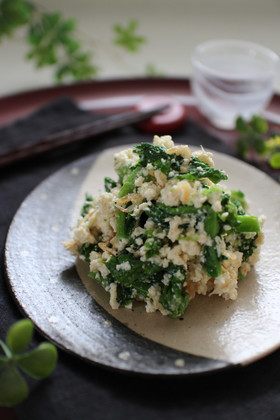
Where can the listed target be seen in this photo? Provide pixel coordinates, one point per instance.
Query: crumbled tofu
(178, 231)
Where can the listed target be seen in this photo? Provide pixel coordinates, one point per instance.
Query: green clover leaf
(37, 363)
(13, 387)
(19, 336)
(40, 362)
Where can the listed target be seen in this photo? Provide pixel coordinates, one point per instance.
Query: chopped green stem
(128, 186)
(211, 223)
(125, 224)
(247, 224)
(211, 264)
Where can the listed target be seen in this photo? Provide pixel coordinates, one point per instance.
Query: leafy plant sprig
(127, 37)
(37, 363)
(53, 40)
(256, 137)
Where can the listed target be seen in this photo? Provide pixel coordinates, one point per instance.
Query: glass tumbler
(232, 78)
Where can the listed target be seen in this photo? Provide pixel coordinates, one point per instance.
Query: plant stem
(6, 350)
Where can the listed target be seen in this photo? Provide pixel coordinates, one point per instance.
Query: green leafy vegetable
(103, 281)
(38, 363)
(125, 222)
(87, 205)
(157, 156)
(247, 246)
(123, 171)
(238, 198)
(159, 212)
(173, 298)
(109, 183)
(198, 169)
(211, 262)
(87, 248)
(153, 246)
(135, 276)
(137, 270)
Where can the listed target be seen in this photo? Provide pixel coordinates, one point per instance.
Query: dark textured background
(76, 390)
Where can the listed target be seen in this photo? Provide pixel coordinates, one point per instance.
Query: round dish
(46, 286)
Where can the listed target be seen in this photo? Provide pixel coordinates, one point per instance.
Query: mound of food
(166, 230)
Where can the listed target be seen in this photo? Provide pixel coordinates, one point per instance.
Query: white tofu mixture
(166, 229)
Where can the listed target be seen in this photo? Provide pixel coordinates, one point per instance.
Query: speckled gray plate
(45, 285)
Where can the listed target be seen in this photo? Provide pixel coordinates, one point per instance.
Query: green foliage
(37, 363)
(255, 136)
(274, 160)
(19, 336)
(127, 38)
(251, 135)
(152, 71)
(52, 40)
(13, 387)
(40, 362)
(14, 14)
(77, 67)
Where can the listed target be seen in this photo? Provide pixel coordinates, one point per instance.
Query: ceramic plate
(45, 284)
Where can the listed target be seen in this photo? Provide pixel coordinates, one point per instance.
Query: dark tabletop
(76, 390)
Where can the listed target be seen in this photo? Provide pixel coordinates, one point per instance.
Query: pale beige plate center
(236, 332)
